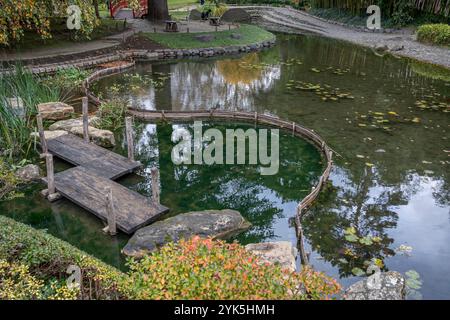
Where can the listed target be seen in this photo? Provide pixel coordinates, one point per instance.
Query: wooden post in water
(129, 134)
(85, 119)
(41, 133)
(155, 185)
(111, 214)
(50, 192)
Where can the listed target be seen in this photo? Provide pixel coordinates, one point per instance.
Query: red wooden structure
(116, 5)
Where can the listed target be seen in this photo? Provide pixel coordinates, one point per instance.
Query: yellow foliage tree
(16, 17)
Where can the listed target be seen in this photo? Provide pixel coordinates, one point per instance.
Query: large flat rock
(55, 110)
(209, 223)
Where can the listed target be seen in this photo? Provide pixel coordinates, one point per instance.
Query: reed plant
(20, 93)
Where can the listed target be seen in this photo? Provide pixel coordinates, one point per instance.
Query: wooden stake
(85, 119)
(41, 133)
(111, 229)
(50, 193)
(50, 173)
(155, 185)
(129, 134)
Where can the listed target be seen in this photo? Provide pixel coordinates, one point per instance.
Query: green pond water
(387, 118)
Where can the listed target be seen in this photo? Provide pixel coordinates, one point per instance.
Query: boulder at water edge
(218, 224)
(102, 138)
(29, 172)
(280, 252)
(391, 286)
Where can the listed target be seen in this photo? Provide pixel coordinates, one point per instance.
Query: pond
(386, 118)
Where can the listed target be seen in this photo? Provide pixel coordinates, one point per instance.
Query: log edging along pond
(264, 119)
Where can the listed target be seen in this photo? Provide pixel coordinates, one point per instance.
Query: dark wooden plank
(87, 189)
(100, 160)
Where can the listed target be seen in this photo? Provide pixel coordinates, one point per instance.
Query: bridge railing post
(129, 134)
(111, 214)
(155, 186)
(85, 105)
(42, 139)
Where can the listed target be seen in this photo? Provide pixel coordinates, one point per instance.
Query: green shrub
(8, 182)
(17, 283)
(434, 33)
(41, 261)
(68, 79)
(206, 269)
(112, 114)
(33, 265)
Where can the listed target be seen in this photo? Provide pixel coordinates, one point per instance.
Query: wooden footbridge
(90, 183)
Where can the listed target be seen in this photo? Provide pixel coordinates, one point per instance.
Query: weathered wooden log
(129, 134)
(50, 193)
(85, 106)
(42, 139)
(112, 226)
(155, 185)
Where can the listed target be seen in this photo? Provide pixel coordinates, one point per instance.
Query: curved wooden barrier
(264, 119)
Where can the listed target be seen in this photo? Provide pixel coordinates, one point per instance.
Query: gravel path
(401, 42)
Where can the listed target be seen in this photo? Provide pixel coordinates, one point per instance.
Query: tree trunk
(97, 12)
(158, 10)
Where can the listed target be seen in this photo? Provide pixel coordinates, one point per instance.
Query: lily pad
(358, 272)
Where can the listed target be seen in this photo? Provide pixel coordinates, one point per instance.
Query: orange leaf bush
(209, 269)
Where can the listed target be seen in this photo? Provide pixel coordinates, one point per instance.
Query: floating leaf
(315, 70)
(369, 164)
(366, 241)
(378, 262)
(413, 283)
(376, 239)
(413, 274)
(350, 230)
(358, 272)
(351, 238)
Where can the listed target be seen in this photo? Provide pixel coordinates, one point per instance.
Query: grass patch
(176, 4)
(178, 15)
(434, 33)
(249, 35)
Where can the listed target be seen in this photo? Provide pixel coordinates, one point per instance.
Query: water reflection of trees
(226, 84)
(199, 187)
(363, 206)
